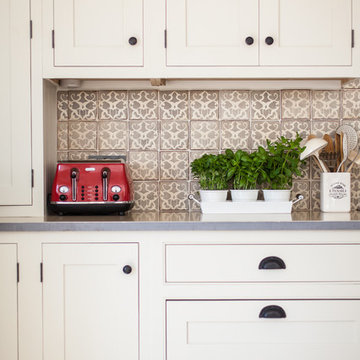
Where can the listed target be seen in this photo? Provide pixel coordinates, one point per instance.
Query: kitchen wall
(161, 132)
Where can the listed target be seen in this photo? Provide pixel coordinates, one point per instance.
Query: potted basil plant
(211, 171)
(282, 163)
(244, 171)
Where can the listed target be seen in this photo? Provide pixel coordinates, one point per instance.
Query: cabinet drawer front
(232, 330)
(282, 263)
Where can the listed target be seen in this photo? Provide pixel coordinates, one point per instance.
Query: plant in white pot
(244, 170)
(282, 163)
(211, 171)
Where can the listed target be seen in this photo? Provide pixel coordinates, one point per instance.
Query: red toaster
(91, 188)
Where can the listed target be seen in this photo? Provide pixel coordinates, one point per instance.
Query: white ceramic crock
(213, 195)
(277, 195)
(335, 194)
(244, 195)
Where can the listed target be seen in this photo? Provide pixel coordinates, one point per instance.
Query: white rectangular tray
(249, 207)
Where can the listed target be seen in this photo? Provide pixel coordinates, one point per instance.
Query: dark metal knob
(127, 269)
(63, 197)
(116, 197)
(272, 263)
(272, 312)
(133, 40)
(249, 40)
(269, 40)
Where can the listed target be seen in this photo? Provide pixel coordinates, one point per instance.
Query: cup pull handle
(272, 263)
(272, 312)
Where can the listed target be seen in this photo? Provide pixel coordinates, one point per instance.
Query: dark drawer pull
(272, 263)
(127, 269)
(272, 312)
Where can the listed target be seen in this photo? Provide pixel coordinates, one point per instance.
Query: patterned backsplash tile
(162, 132)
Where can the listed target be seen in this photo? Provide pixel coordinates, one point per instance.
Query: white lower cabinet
(271, 329)
(90, 301)
(8, 303)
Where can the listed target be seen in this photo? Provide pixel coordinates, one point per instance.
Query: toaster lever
(105, 184)
(73, 184)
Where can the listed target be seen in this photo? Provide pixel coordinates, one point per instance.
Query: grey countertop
(184, 221)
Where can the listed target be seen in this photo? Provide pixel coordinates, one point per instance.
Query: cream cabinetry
(90, 301)
(15, 134)
(98, 33)
(8, 302)
(265, 32)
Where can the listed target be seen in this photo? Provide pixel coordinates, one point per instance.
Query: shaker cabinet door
(8, 303)
(90, 301)
(305, 32)
(98, 32)
(212, 32)
(15, 116)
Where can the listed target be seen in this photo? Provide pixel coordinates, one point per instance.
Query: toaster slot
(74, 178)
(105, 180)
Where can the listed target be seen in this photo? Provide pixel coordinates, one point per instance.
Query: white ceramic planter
(244, 195)
(335, 194)
(213, 195)
(277, 195)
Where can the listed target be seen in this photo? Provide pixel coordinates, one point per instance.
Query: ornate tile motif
(235, 134)
(263, 130)
(174, 105)
(315, 195)
(112, 105)
(146, 196)
(314, 169)
(144, 135)
(351, 104)
(355, 193)
(295, 104)
(80, 155)
(305, 170)
(204, 105)
(319, 128)
(173, 195)
(174, 165)
(194, 189)
(326, 104)
(62, 105)
(62, 156)
(144, 165)
(82, 105)
(112, 135)
(174, 135)
(143, 105)
(82, 135)
(234, 105)
(174, 216)
(204, 135)
(303, 188)
(289, 128)
(352, 84)
(114, 153)
(62, 136)
(265, 105)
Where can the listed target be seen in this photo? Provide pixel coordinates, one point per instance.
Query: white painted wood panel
(15, 134)
(96, 33)
(232, 330)
(211, 32)
(8, 303)
(239, 263)
(90, 305)
(305, 32)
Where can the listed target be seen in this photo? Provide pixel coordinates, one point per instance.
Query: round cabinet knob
(133, 41)
(269, 40)
(249, 40)
(127, 269)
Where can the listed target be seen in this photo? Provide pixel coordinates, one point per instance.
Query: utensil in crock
(354, 157)
(343, 152)
(313, 147)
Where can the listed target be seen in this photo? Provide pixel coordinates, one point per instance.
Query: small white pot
(244, 195)
(277, 195)
(213, 195)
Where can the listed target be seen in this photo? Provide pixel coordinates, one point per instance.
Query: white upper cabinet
(212, 32)
(15, 134)
(226, 32)
(305, 32)
(98, 33)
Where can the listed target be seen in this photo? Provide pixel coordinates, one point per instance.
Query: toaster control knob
(63, 197)
(116, 197)
(127, 269)
(63, 189)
